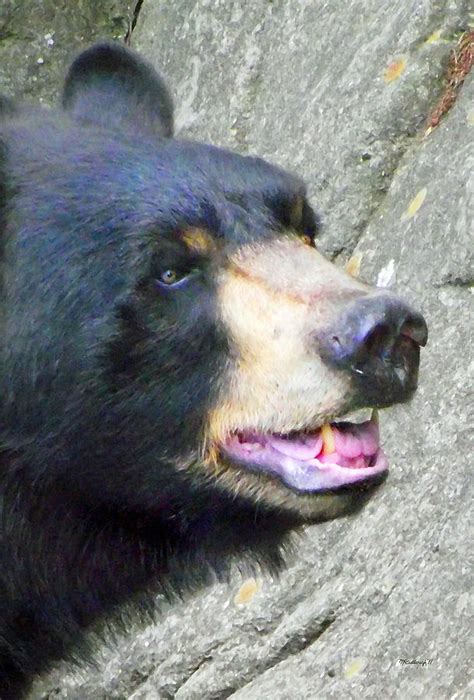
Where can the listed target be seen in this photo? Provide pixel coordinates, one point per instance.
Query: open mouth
(334, 455)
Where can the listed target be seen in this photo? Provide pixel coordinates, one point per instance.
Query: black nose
(378, 340)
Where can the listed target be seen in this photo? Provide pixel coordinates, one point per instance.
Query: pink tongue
(350, 442)
(306, 447)
(347, 444)
(357, 440)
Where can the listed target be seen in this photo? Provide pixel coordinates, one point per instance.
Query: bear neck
(80, 564)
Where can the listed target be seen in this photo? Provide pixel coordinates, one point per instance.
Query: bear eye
(169, 277)
(173, 279)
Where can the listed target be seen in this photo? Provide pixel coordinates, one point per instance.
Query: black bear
(177, 363)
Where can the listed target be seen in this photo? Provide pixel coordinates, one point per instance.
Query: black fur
(105, 378)
(118, 89)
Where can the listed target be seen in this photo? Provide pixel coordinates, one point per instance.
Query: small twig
(460, 63)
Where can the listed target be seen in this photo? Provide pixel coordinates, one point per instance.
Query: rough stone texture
(305, 85)
(302, 83)
(38, 38)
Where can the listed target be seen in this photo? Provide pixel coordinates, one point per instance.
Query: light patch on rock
(354, 667)
(386, 276)
(185, 115)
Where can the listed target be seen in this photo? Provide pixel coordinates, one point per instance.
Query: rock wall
(375, 606)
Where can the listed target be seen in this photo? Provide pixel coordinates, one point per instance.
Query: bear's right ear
(111, 86)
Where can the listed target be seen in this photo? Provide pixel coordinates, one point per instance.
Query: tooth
(328, 439)
(374, 418)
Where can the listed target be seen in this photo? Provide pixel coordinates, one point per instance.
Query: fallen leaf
(247, 591)
(353, 265)
(436, 36)
(415, 204)
(395, 69)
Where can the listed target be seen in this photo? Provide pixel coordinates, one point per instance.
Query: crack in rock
(297, 642)
(133, 21)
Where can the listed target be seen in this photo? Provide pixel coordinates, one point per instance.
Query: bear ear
(111, 86)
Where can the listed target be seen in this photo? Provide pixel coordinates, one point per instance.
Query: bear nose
(377, 339)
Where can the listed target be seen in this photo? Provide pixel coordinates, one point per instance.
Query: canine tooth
(375, 416)
(327, 435)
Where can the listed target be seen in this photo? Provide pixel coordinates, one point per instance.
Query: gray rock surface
(38, 38)
(307, 85)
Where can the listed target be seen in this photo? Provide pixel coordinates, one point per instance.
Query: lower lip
(313, 476)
